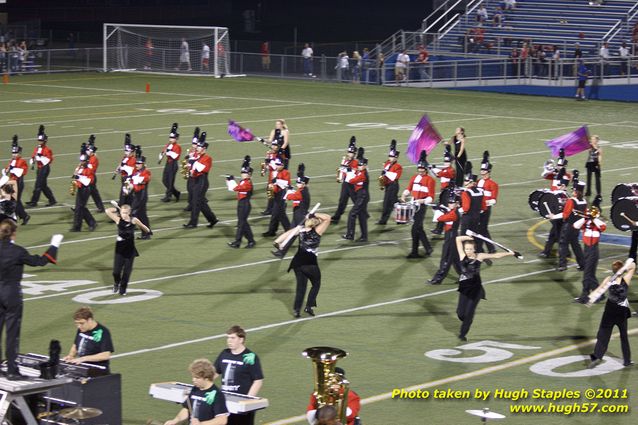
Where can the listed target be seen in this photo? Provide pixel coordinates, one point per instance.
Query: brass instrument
(73, 188)
(592, 212)
(381, 182)
(330, 387)
(185, 169)
(270, 191)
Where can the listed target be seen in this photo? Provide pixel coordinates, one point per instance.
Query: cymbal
(80, 412)
(485, 414)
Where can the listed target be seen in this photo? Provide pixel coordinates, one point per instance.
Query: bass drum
(625, 207)
(624, 190)
(534, 197)
(555, 201)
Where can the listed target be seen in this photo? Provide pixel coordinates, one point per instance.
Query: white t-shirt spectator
(402, 60)
(307, 52)
(604, 53)
(205, 52)
(623, 52)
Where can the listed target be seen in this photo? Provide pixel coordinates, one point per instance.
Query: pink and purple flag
(239, 133)
(424, 137)
(575, 142)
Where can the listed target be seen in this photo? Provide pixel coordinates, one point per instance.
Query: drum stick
(549, 211)
(517, 254)
(633, 223)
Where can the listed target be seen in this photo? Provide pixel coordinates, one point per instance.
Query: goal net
(166, 49)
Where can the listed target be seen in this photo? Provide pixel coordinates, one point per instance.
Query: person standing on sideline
(13, 258)
(125, 251)
(401, 67)
(265, 56)
(43, 156)
(583, 73)
(205, 56)
(307, 55)
(240, 370)
(184, 56)
(172, 152)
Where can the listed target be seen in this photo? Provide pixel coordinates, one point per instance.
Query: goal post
(166, 49)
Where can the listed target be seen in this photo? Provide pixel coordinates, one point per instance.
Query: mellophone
(177, 393)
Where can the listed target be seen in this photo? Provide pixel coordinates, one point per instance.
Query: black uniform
(347, 192)
(305, 265)
(13, 258)
(238, 372)
(42, 186)
(125, 253)
(360, 211)
(207, 404)
(139, 203)
(460, 162)
(616, 314)
(8, 210)
(472, 217)
(81, 212)
(593, 167)
(449, 253)
(569, 236)
(95, 341)
(470, 293)
(284, 153)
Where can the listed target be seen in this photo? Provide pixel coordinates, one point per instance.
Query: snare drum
(624, 207)
(533, 198)
(555, 201)
(404, 213)
(624, 190)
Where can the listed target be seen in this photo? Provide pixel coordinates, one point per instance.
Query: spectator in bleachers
(401, 67)
(603, 55)
(525, 59)
(365, 64)
(481, 15)
(3, 57)
(540, 61)
(578, 55)
(264, 49)
(343, 66)
(356, 66)
(556, 62)
(422, 63)
(623, 52)
(498, 18)
(508, 5)
(634, 37)
(23, 52)
(515, 59)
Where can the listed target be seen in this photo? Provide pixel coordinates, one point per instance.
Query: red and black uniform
(127, 168)
(93, 164)
(191, 155)
(449, 255)
(446, 176)
(199, 170)
(16, 170)
(84, 177)
(569, 234)
(557, 183)
(421, 188)
(390, 176)
(360, 181)
(592, 228)
(347, 190)
(271, 168)
(490, 196)
(352, 411)
(471, 202)
(244, 192)
(172, 151)
(300, 204)
(140, 180)
(280, 181)
(43, 157)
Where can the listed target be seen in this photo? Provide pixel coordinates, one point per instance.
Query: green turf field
(373, 302)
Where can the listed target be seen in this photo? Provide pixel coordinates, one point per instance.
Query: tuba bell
(330, 387)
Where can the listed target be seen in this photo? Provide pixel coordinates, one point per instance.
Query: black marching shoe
(74, 229)
(543, 254)
(99, 210)
(234, 244)
(309, 310)
(177, 196)
(436, 231)
(250, 244)
(428, 252)
(212, 224)
(347, 237)
(434, 281)
(462, 337)
(334, 219)
(116, 288)
(26, 219)
(187, 209)
(268, 234)
(297, 314)
(279, 254)
(92, 227)
(265, 212)
(189, 226)
(382, 223)
(31, 204)
(165, 199)
(51, 203)
(414, 255)
(362, 239)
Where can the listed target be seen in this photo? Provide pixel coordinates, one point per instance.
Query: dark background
(275, 20)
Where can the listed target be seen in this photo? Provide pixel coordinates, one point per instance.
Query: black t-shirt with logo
(95, 341)
(238, 371)
(206, 404)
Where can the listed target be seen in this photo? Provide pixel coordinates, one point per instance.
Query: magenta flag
(239, 133)
(573, 143)
(424, 137)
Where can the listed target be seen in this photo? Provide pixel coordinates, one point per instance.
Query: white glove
(31, 161)
(115, 204)
(160, 156)
(56, 240)
(4, 172)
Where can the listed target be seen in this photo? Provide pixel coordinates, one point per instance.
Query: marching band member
(460, 154)
(421, 189)
(172, 152)
(305, 264)
(13, 258)
(592, 228)
(126, 168)
(446, 175)
(187, 163)
(568, 234)
(389, 182)
(139, 190)
(616, 314)
(244, 191)
(205, 404)
(43, 156)
(359, 179)
(490, 196)
(83, 176)
(347, 190)
(352, 409)
(240, 369)
(199, 169)
(281, 135)
(125, 251)
(471, 202)
(92, 343)
(557, 223)
(279, 184)
(593, 164)
(268, 168)
(16, 170)
(94, 163)
(558, 172)
(470, 287)
(450, 216)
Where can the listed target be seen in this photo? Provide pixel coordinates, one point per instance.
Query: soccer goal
(167, 49)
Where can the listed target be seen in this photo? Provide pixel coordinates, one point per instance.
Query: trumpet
(73, 188)
(115, 172)
(591, 213)
(381, 182)
(270, 191)
(185, 169)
